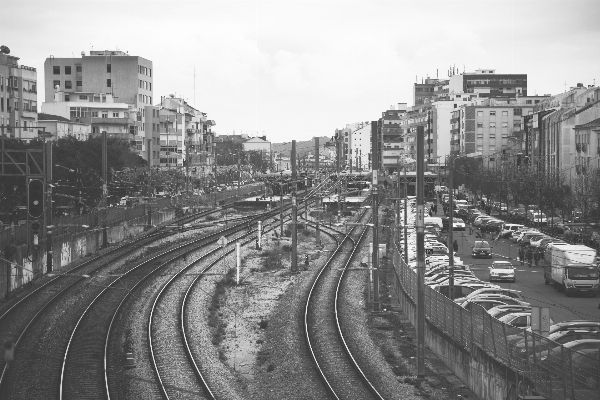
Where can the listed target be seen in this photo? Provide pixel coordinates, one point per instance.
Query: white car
(493, 289)
(502, 271)
(458, 224)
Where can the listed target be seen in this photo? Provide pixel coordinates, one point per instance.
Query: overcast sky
(298, 69)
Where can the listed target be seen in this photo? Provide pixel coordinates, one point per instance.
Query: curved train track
(339, 370)
(71, 360)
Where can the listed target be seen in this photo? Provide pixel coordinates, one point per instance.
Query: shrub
(287, 248)
(263, 324)
(273, 259)
(210, 218)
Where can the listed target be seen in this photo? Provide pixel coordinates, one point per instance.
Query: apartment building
(18, 99)
(484, 129)
(486, 83)
(59, 127)
(185, 134)
(564, 137)
(99, 111)
(128, 79)
(429, 90)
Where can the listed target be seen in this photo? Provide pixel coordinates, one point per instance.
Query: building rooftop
(50, 117)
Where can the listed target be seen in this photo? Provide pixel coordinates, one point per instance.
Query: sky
(299, 69)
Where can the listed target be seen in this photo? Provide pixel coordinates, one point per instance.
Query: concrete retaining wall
(484, 375)
(66, 249)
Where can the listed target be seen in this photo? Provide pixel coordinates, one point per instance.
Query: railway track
(53, 309)
(51, 288)
(54, 361)
(325, 337)
(179, 371)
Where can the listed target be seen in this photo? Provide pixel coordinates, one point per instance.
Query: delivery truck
(572, 269)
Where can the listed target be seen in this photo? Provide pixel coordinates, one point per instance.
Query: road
(530, 281)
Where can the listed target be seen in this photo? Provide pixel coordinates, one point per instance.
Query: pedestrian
(470, 228)
(521, 254)
(536, 257)
(306, 262)
(529, 257)
(430, 211)
(455, 246)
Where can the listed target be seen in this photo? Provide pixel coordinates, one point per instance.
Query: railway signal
(35, 199)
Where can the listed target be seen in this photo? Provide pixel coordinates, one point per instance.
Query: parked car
(481, 248)
(502, 271)
(502, 310)
(518, 319)
(458, 224)
(493, 289)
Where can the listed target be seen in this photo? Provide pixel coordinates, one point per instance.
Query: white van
(434, 220)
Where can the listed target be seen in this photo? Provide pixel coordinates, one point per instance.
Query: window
(78, 68)
(492, 125)
(492, 113)
(505, 113)
(480, 136)
(83, 97)
(150, 84)
(480, 114)
(108, 68)
(115, 115)
(108, 83)
(56, 70)
(95, 114)
(104, 114)
(68, 85)
(517, 125)
(492, 136)
(67, 70)
(505, 124)
(480, 124)
(79, 83)
(479, 147)
(528, 102)
(55, 84)
(67, 97)
(517, 111)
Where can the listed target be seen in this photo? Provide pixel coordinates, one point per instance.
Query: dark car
(481, 248)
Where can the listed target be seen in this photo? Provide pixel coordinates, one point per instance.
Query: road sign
(222, 241)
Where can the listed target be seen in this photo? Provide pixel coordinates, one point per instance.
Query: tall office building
(128, 79)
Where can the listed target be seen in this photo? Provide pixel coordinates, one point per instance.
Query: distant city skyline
(298, 69)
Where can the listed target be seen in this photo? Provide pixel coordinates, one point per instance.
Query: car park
(502, 271)
(481, 248)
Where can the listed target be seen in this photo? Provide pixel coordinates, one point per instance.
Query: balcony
(192, 131)
(30, 113)
(107, 121)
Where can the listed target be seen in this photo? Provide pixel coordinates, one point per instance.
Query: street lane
(530, 281)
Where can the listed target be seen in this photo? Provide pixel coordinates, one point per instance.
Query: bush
(210, 218)
(272, 259)
(287, 248)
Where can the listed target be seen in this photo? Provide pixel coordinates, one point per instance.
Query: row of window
(145, 85)
(504, 125)
(78, 84)
(145, 71)
(83, 112)
(68, 69)
(142, 98)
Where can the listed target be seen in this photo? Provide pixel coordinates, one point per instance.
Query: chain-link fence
(117, 215)
(544, 367)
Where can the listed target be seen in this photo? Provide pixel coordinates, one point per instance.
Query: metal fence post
(493, 336)
(508, 352)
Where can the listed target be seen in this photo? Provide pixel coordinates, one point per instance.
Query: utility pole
(239, 175)
(338, 157)
(420, 254)
(294, 266)
(149, 202)
(375, 256)
(317, 203)
(398, 204)
(451, 228)
(187, 167)
(405, 218)
(104, 191)
(49, 226)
